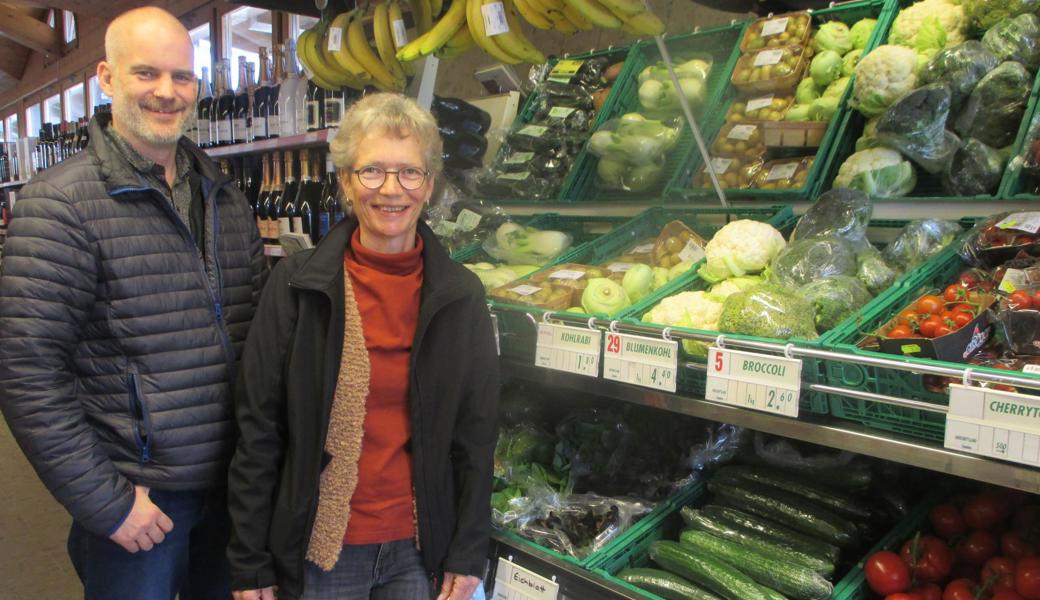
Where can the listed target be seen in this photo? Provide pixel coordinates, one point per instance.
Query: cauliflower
(696, 310)
(725, 289)
(880, 172)
(911, 19)
(740, 248)
(883, 76)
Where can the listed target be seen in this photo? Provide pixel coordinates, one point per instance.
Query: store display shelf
(303, 140)
(11, 184)
(842, 435)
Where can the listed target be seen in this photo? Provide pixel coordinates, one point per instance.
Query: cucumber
(688, 513)
(841, 503)
(666, 585)
(715, 527)
(788, 509)
(773, 594)
(790, 580)
(708, 572)
(771, 531)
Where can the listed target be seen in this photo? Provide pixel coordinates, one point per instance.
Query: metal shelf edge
(311, 138)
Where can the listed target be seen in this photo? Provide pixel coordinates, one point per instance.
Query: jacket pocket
(141, 419)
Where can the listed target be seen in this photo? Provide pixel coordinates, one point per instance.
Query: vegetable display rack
(581, 229)
(681, 187)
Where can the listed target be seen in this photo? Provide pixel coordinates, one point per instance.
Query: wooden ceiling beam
(27, 31)
(13, 58)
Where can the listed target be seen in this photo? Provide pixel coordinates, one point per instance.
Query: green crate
(526, 113)
(680, 186)
(517, 325)
(582, 229)
(1013, 185)
(639, 535)
(722, 43)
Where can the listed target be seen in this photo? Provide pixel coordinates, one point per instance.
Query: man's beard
(131, 116)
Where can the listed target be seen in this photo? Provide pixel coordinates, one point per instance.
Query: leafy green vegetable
(825, 67)
(768, 311)
(835, 299)
(806, 91)
(833, 36)
(1016, 39)
(823, 108)
(806, 260)
(849, 62)
(975, 169)
(916, 126)
(879, 172)
(861, 31)
(959, 68)
(983, 14)
(920, 240)
(798, 112)
(996, 105)
(883, 76)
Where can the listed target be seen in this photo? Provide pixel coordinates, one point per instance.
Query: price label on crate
(641, 361)
(759, 103)
(468, 220)
(768, 57)
(513, 582)
(571, 349)
(774, 27)
(1004, 425)
(767, 383)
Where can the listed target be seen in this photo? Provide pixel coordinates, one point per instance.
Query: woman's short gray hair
(393, 113)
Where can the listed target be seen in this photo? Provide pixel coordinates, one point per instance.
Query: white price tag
(1003, 425)
(759, 103)
(494, 18)
(513, 582)
(641, 361)
(741, 132)
(571, 349)
(532, 130)
(400, 33)
(1013, 279)
(526, 290)
(691, 252)
(721, 165)
(1022, 221)
(566, 274)
(467, 220)
(774, 27)
(1033, 369)
(643, 249)
(335, 39)
(561, 112)
(519, 158)
(782, 171)
(619, 267)
(768, 57)
(757, 381)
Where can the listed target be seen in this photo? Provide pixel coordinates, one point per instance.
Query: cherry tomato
(984, 510)
(1027, 577)
(961, 318)
(1035, 298)
(968, 308)
(943, 330)
(954, 293)
(904, 596)
(908, 316)
(1004, 594)
(1000, 570)
(960, 589)
(1014, 498)
(968, 279)
(900, 331)
(1021, 240)
(930, 304)
(1013, 545)
(928, 591)
(947, 521)
(1020, 300)
(930, 559)
(929, 325)
(886, 573)
(977, 547)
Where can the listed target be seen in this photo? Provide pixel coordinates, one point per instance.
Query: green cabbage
(861, 32)
(825, 68)
(834, 36)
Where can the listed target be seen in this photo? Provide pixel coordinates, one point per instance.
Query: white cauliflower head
(911, 19)
(741, 248)
(885, 173)
(697, 310)
(882, 77)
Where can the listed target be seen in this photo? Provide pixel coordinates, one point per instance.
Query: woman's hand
(457, 587)
(265, 594)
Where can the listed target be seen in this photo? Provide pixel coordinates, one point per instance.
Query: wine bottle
(329, 198)
(335, 104)
(302, 218)
(287, 217)
(274, 82)
(294, 91)
(277, 207)
(225, 114)
(262, 198)
(240, 125)
(204, 135)
(260, 98)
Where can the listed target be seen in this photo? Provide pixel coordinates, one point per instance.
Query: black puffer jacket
(118, 340)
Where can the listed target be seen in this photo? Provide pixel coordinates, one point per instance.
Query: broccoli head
(835, 299)
(768, 311)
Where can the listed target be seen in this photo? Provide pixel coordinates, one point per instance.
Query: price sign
(519, 158)
(400, 33)
(774, 26)
(494, 18)
(513, 582)
(561, 112)
(759, 103)
(565, 70)
(467, 220)
(641, 361)
(766, 57)
(570, 349)
(1003, 425)
(335, 39)
(532, 130)
(742, 132)
(767, 383)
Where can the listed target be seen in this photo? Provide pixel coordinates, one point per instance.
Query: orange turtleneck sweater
(387, 289)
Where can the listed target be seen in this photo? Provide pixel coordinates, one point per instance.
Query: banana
(422, 15)
(576, 18)
(645, 23)
(445, 28)
(384, 40)
(459, 43)
(301, 43)
(343, 57)
(532, 16)
(319, 64)
(394, 12)
(362, 52)
(629, 8)
(595, 12)
(475, 22)
(514, 41)
(435, 8)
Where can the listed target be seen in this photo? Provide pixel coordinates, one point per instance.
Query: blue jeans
(191, 561)
(390, 571)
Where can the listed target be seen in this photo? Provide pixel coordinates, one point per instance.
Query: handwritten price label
(766, 383)
(513, 582)
(641, 361)
(570, 349)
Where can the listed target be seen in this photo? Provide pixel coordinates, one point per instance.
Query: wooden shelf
(303, 140)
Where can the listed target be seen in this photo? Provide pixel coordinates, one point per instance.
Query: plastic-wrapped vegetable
(632, 151)
(959, 68)
(975, 169)
(740, 248)
(768, 311)
(995, 108)
(840, 212)
(873, 271)
(919, 241)
(878, 171)
(519, 244)
(916, 126)
(983, 14)
(1016, 39)
(807, 260)
(834, 299)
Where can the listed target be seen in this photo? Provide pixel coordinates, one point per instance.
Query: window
(3, 130)
(75, 103)
(69, 18)
(50, 18)
(200, 39)
(11, 128)
(300, 23)
(52, 109)
(248, 29)
(32, 121)
(97, 95)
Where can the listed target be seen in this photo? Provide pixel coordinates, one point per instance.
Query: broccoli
(835, 299)
(874, 271)
(768, 311)
(807, 260)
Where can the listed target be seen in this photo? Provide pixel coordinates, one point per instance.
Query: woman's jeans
(390, 571)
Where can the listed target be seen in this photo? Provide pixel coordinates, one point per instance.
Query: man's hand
(457, 587)
(145, 526)
(265, 594)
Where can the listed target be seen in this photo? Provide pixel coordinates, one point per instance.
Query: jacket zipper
(142, 420)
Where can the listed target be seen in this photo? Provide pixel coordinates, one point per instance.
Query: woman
(368, 394)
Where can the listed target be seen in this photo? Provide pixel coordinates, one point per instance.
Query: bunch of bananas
(631, 16)
(463, 26)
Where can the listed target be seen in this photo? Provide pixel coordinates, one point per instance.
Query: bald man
(131, 272)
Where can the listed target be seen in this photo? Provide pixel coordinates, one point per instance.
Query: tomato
(929, 325)
(930, 559)
(900, 331)
(968, 279)
(1014, 498)
(943, 330)
(1021, 240)
(908, 316)
(886, 573)
(1020, 300)
(984, 510)
(928, 591)
(904, 596)
(1000, 570)
(968, 308)
(961, 318)
(960, 589)
(930, 304)
(1035, 298)
(954, 293)
(1013, 545)
(1006, 595)
(1027, 577)
(947, 521)
(977, 547)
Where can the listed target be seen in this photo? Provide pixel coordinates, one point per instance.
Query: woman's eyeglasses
(373, 177)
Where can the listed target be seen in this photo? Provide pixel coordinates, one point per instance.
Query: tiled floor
(33, 529)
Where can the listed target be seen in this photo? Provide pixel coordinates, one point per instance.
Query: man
(130, 275)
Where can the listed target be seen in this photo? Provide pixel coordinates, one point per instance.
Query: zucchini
(791, 580)
(788, 509)
(715, 527)
(666, 585)
(771, 531)
(708, 572)
(841, 503)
